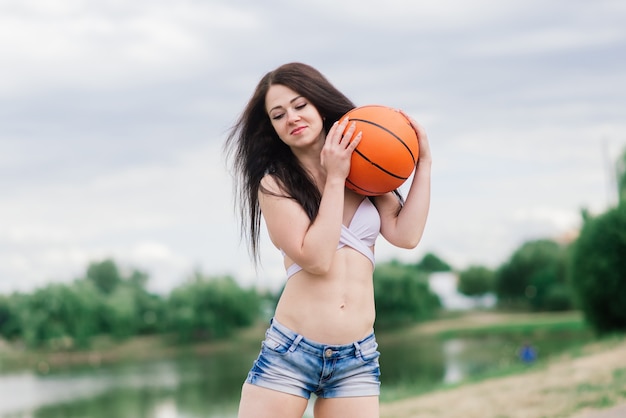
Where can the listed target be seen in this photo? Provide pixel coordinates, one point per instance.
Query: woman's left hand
(422, 139)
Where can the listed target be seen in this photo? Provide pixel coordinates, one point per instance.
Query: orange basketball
(387, 153)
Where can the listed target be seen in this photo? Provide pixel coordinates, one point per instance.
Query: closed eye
(298, 106)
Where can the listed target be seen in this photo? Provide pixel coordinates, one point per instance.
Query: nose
(292, 116)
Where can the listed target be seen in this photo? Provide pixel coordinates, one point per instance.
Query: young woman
(291, 155)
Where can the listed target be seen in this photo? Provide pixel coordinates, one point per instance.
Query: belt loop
(357, 346)
(295, 343)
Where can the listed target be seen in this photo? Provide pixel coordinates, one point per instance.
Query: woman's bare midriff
(336, 308)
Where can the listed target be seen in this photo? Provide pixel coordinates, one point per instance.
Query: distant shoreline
(105, 350)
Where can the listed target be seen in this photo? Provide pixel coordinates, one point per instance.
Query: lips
(298, 130)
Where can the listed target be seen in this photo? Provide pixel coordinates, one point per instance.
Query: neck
(310, 159)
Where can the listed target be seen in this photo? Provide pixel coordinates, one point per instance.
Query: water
(209, 386)
(184, 387)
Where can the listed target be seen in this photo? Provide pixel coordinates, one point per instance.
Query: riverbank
(582, 384)
(105, 350)
(588, 378)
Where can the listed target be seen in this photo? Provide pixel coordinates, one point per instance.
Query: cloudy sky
(113, 115)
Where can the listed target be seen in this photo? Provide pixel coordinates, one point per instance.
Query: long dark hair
(254, 149)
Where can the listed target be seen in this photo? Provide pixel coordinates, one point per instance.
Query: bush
(476, 281)
(598, 270)
(211, 308)
(9, 321)
(527, 278)
(558, 298)
(402, 295)
(56, 316)
(431, 263)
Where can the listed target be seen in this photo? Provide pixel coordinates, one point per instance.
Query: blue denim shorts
(290, 363)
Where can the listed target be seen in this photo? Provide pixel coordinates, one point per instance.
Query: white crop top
(361, 234)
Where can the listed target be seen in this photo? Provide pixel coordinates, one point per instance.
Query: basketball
(387, 153)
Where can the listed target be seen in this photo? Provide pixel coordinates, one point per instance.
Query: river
(209, 385)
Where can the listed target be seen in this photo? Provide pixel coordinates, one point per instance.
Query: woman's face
(296, 121)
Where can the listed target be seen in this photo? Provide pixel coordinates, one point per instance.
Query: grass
(589, 377)
(524, 328)
(602, 394)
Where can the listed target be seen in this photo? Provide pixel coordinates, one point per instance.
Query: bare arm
(405, 228)
(312, 245)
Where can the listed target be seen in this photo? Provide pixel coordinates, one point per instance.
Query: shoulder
(270, 184)
(388, 203)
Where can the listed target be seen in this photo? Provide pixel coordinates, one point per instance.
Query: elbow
(408, 243)
(316, 263)
(403, 235)
(318, 266)
(318, 271)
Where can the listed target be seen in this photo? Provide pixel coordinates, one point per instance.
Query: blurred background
(118, 236)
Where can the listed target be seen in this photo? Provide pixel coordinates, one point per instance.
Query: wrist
(335, 181)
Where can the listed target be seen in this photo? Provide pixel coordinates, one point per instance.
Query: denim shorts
(292, 364)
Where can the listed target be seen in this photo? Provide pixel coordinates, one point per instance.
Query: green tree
(57, 316)
(69, 315)
(148, 307)
(105, 275)
(598, 270)
(526, 278)
(621, 178)
(120, 312)
(210, 308)
(431, 263)
(476, 281)
(83, 315)
(125, 307)
(9, 321)
(402, 295)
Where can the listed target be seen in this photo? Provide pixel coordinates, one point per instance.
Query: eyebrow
(290, 101)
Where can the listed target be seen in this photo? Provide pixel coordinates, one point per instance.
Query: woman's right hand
(338, 148)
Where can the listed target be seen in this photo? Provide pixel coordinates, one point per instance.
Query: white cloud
(556, 219)
(146, 215)
(550, 39)
(421, 15)
(102, 45)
